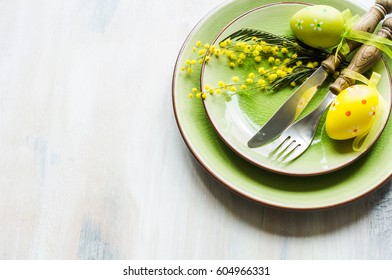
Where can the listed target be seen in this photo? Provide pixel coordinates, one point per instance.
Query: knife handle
(363, 60)
(367, 23)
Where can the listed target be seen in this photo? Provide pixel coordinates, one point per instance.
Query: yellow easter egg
(352, 112)
(318, 26)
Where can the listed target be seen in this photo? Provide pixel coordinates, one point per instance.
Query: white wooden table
(92, 164)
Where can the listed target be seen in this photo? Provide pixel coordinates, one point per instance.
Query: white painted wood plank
(82, 86)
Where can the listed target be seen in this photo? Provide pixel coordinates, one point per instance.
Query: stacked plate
(216, 131)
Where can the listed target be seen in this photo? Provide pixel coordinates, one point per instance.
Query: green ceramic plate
(283, 191)
(237, 119)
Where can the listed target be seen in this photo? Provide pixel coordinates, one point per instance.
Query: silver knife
(287, 113)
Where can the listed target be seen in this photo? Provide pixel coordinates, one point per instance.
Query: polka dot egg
(352, 112)
(318, 26)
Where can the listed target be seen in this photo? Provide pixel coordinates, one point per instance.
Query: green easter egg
(318, 26)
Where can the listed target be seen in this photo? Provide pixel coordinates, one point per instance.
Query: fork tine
(291, 147)
(296, 152)
(294, 146)
(284, 148)
(280, 145)
(287, 148)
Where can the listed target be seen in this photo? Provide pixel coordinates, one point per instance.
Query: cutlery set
(287, 140)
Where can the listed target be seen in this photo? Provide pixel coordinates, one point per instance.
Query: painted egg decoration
(318, 26)
(352, 112)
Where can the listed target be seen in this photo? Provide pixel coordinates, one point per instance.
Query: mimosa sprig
(276, 61)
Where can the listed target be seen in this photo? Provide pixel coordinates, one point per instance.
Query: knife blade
(288, 112)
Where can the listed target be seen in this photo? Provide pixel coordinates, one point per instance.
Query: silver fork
(297, 138)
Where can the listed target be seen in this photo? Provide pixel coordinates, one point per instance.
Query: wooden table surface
(92, 164)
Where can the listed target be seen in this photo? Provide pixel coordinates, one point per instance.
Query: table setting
(216, 131)
(141, 130)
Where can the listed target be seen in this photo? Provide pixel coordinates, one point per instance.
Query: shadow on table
(292, 223)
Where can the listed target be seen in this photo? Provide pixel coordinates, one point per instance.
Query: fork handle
(367, 23)
(363, 60)
(312, 120)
